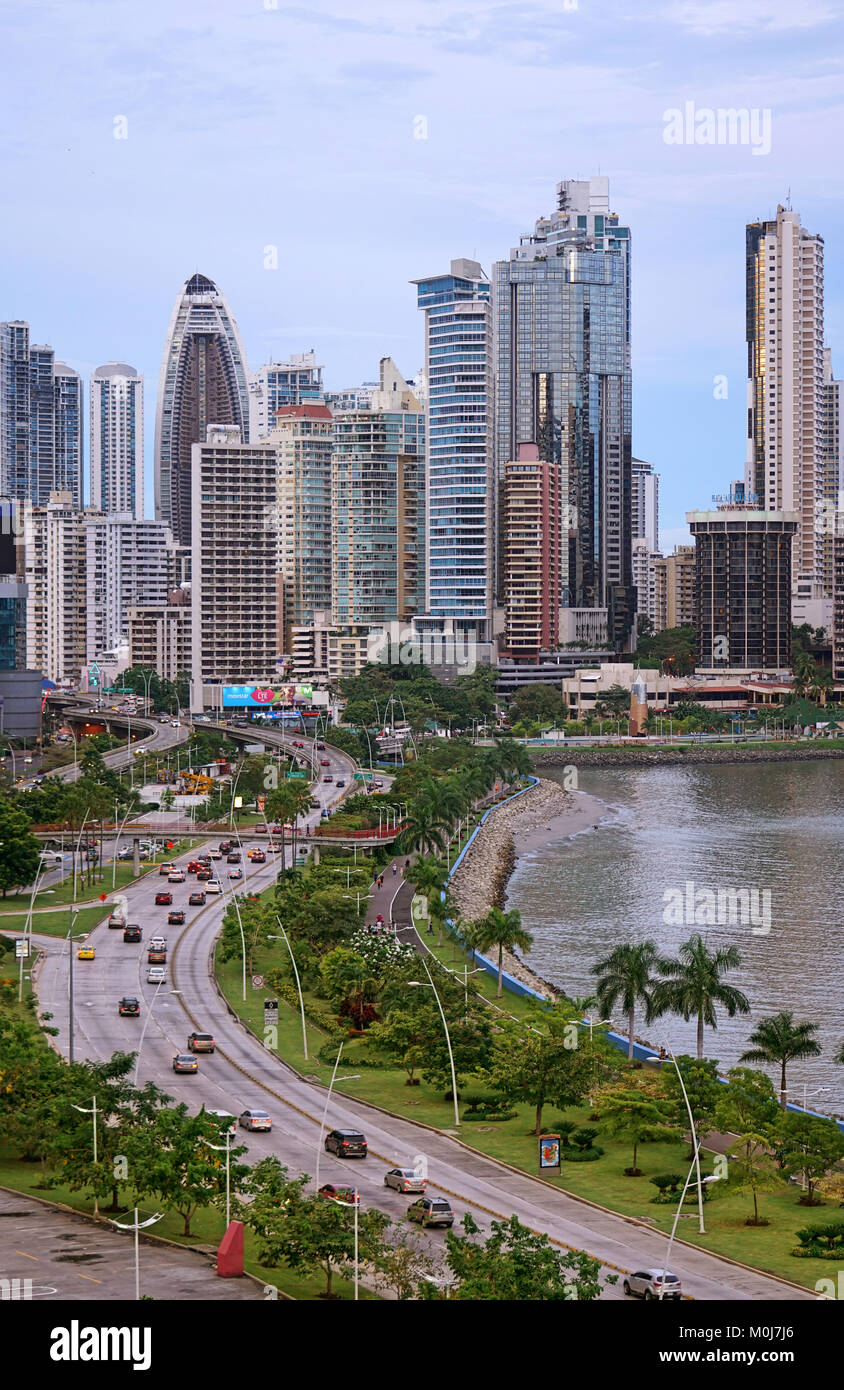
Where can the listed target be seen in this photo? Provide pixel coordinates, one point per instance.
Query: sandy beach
(582, 814)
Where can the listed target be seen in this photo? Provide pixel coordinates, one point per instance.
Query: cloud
(759, 16)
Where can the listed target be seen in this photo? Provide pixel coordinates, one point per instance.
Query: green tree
(748, 1104)
(777, 1040)
(310, 1233)
(502, 931)
(632, 1116)
(537, 702)
(695, 985)
(541, 1068)
(515, 1265)
(700, 1078)
(171, 1159)
(810, 1147)
(624, 976)
(19, 849)
(753, 1170)
(404, 1036)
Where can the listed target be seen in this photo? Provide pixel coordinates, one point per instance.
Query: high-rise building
(563, 382)
(831, 519)
(125, 565)
(160, 638)
(644, 503)
(785, 400)
(278, 384)
(235, 600)
(352, 397)
(117, 439)
(203, 382)
(459, 462)
(838, 608)
(645, 579)
(743, 587)
(674, 589)
(303, 437)
(55, 560)
(40, 420)
(378, 506)
(532, 554)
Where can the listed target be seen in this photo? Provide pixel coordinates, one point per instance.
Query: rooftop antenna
(788, 199)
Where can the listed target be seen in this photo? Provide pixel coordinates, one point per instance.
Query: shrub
(584, 1138)
(570, 1155)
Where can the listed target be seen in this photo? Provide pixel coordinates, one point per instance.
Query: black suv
(346, 1143)
(128, 1006)
(131, 933)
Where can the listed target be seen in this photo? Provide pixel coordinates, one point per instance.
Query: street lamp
(284, 938)
(713, 1177)
(146, 1025)
(334, 1078)
(84, 1110)
(420, 984)
(695, 1140)
(137, 1226)
(226, 1149)
(356, 1205)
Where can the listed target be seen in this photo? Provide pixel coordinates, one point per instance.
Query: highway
(243, 1073)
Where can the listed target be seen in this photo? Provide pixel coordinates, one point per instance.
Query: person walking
(395, 870)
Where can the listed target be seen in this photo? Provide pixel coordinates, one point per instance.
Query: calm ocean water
(776, 827)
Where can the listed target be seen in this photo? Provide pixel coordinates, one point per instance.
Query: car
(185, 1061)
(215, 854)
(320, 747)
(346, 1143)
(233, 857)
(222, 1121)
(163, 899)
(213, 886)
(196, 899)
(131, 933)
(431, 1211)
(405, 1180)
(129, 1007)
(194, 866)
(255, 1119)
(50, 856)
(647, 1283)
(156, 975)
(201, 1042)
(203, 876)
(86, 953)
(347, 1195)
(235, 875)
(297, 743)
(259, 857)
(341, 782)
(325, 762)
(165, 870)
(378, 783)
(224, 846)
(176, 919)
(328, 777)
(177, 876)
(117, 920)
(203, 859)
(156, 955)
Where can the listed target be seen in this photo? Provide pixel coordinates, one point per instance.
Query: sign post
(549, 1153)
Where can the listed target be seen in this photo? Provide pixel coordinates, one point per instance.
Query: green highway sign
(297, 774)
(363, 776)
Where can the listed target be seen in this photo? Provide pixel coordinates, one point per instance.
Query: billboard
(264, 697)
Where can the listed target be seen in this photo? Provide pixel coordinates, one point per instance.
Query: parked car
(129, 1007)
(196, 899)
(132, 934)
(346, 1143)
(255, 1119)
(163, 899)
(213, 886)
(431, 1211)
(405, 1180)
(347, 1195)
(176, 918)
(176, 876)
(185, 1061)
(647, 1283)
(86, 953)
(156, 975)
(117, 920)
(200, 1042)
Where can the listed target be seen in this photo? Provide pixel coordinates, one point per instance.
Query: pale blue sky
(250, 126)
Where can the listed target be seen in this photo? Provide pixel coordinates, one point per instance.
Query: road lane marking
(27, 1257)
(88, 1277)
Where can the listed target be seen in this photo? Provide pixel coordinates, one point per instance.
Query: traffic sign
(292, 775)
(363, 776)
(257, 982)
(21, 948)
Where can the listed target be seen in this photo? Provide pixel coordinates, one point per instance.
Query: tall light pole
(219, 1148)
(420, 984)
(334, 1077)
(714, 1177)
(695, 1140)
(146, 1025)
(137, 1226)
(73, 909)
(284, 938)
(83, 1110)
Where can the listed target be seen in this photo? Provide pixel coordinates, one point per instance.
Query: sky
(356, 147)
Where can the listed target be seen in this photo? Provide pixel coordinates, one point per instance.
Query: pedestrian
(395, 870)
(380, 880)
(406, 865)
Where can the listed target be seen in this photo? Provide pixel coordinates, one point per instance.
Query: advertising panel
(264, 696)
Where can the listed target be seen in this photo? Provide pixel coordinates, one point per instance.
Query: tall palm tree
(624, 976)
(504, 930)
(778, 1039)
(424, 829)
(695, 985)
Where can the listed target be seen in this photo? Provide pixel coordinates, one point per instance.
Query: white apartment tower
(645, 503)
(125, 566)
(785, 400)
(117, 439)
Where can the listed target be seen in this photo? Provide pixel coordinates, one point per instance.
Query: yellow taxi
(86, 953)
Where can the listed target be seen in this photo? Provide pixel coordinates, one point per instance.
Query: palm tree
(624, 976)
(779, 1039)
(504, 930)
(804, 670)
(695, 985)
(424, 829)
(839, 1056)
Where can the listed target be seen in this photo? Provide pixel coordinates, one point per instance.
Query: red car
(297, 743)
(325, 762)
(347, 1195)
(163, 899)
(194, 866)
(328, 777)
(258, 856)
(319, 747)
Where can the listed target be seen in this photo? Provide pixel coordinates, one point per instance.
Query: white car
(212, 886)
(177, 876)
(647, 1283)
(255, 1119)
(157, 975)
(50, 856)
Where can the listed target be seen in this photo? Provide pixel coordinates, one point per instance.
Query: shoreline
(627, 755)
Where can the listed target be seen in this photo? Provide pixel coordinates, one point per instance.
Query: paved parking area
(70, 1258)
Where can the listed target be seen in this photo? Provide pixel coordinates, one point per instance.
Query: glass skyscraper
(563, 382)
(459, 448)
(40, 420)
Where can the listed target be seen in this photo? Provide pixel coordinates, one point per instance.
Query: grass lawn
(56, 923)
(123, 874)
(765, 1248)
(208, 1227)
